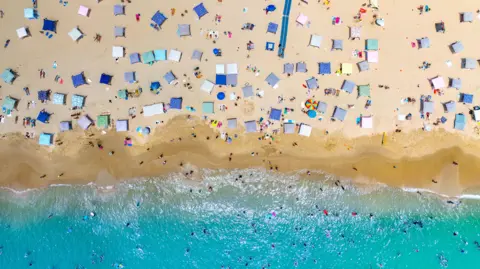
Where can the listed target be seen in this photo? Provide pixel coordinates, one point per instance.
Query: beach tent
(49, 25)
(220, 69)
(84, 11)
(200, 10)
(105, 79)
(427, 107)
(207, 86)
(457, 47)
(129, 77)
(339, 113)
(232, 123)
(364, 90)
(197, 55)
(103, 121)
(424, 43)
(134, 58)
(75, 34)
(289, 128)
(347, 68)
(316, 41)
(363, 66)
(22, 32)
(288, 68)
(355, 32)
(84, 122)
(371, 44)
(440, 27)
(121, 126)
(119, 31)
(118, 52)
(207, 108)
(469, 63)
(272, 80)
(58, 98)
(8, 76)
(459, 122)
(45, 139)
(366, 122)
(322, 107)
(160, 55)
(272, 28)
(183, 30)
(65, 126)
(301, 67)
(122, 94)
(466, 98)
(174, 55)
(9, 103)
(43, 116)
(450, 106)
(78, 101)
(29, 13)
(43, 95)
(170, 77)
(118, 10)
(302, 19)
(467, 17)
(158, 18)
(251, 126)
(176, 103)
(152, 110)
(78, 80)
(372, 56)
(232, 79)
(221, 79)
(337, 44)
(232, 69)
(305, 130)
(275, 114)
(438, 82)
(456, 83)
(312, 83)
(324, 68)
(148, 57)
(247, 91)
(348, 86)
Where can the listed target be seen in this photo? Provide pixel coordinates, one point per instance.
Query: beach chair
(363, 66)
(200, 10)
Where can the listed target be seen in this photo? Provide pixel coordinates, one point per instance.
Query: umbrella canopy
(270, 8)
(312, 114)
(220, 96)
(311, 104)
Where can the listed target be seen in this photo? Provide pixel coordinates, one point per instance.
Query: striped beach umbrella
(311, 104)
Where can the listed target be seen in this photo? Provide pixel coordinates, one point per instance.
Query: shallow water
(260, 220)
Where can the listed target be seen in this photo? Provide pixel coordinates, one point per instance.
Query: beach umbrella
(311, 104)
(312, 114)
(146, 130)
(216, 51)
(220, 96)
(271, 8)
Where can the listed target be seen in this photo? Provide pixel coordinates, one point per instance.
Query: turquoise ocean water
(261, 220)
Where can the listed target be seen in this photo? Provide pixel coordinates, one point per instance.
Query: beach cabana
(288, 68)
(45, 139)
(272, 28)
(197, 55)
(371, 44)
(170, 77)
(9, 103)
(438, 83)
(43, 116)
(272, 80)
(174, 55)
(289, 128)
(305, 130)
(84, 122)
(348, 86)
(121, 126)
(355, 32)
(103, 121)
(129, 77)
(200, 10)
(427, 107)
(78, 101)
(466, 98)
(232, 123)
(158, 18)
(466, 17)
(148, 57)
(29, 13)
(364, 91)
(424, 43)
(312, 83)
(22, 32)
(183, 30)
(322, 107)
(247, 91)
(43, 96)
(460, 122)
(118, 10)
(301, 67)
(339, 113)
(83, 11)
(316, 41)
(302, 19)
(65, 126)
(49, 25)
(275, 114)
(347, 68)
(105, 79)
(78, 80)
(366, 122)
(75, 34)
(363, 66)
(456, 83)
(160, 55)
(207, 86)
(457, 47)
(134, 58)
(324, 68)
(450, 106)
(119, 31)
(58, 98)
(337, 44)
(8, 76)
(372, 56)
(469, 63)
(250, 126)
(176, 103)
(152, 110)
(118, 52)
(208, 108)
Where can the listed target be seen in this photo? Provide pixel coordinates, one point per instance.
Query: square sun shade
(49, 25)
(159, 18)
(207, 108)
(275, 114)
(103, 121)
(200, 10)
(371, 44)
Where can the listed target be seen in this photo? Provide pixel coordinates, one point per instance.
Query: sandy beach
(410, 156)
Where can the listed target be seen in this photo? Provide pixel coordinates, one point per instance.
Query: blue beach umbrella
(220, 96)
(312, 114)
(146, 130)
(216, 51)
(271, 8)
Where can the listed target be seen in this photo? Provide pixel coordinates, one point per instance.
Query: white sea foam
(424, 190)
(469, 196)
